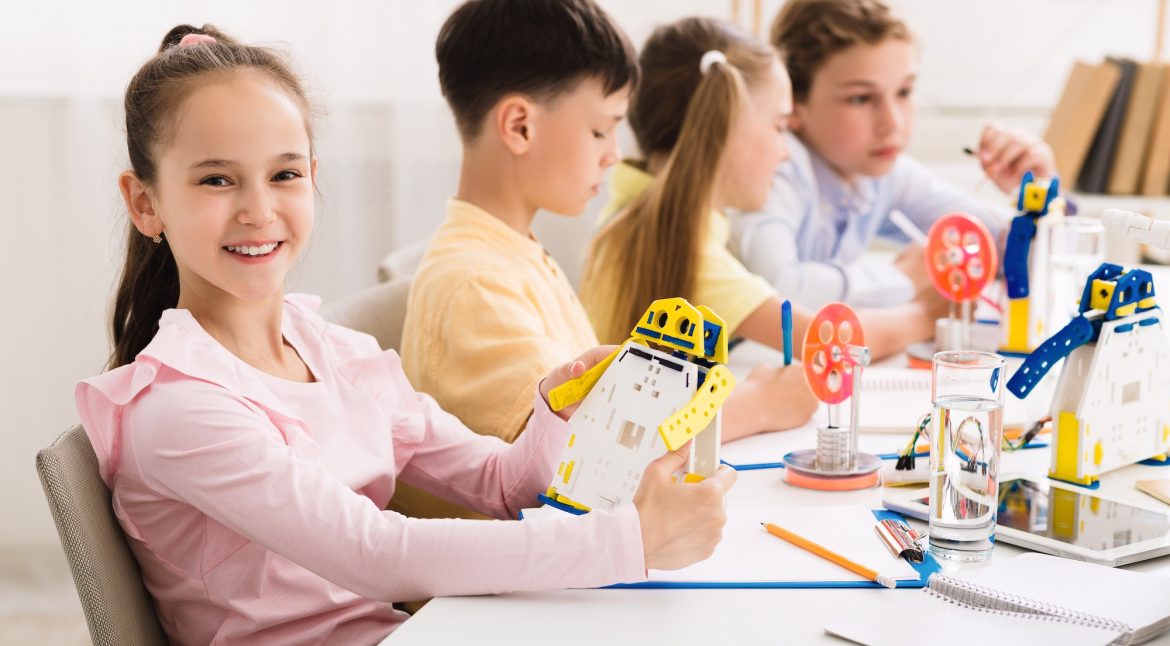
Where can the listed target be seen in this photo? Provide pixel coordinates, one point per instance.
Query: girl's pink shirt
(254, 522)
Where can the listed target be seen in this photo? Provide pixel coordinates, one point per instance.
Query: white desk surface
(728, 616)
(732, 616)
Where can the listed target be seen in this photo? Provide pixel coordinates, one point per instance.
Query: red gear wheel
(960, 257)
(828, 368)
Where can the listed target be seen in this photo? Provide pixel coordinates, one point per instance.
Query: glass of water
(1077, 248)
(966, 428)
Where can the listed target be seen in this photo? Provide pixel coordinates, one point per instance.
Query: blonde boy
(853, 65)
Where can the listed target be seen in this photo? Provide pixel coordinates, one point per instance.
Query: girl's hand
(779, 394)
(1006, 154)
(681, 522)
(572, 370)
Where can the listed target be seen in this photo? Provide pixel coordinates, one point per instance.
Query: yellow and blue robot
(660, 389)
(1025, 264)
(1112, 401)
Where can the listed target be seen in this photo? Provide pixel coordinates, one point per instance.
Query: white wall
(388, 151)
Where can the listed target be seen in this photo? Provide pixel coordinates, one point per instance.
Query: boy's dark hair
(490, 48)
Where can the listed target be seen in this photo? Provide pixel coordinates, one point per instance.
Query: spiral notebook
(1030, 599)
(894, 399)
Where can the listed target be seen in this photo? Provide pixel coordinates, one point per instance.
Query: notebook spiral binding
(976, 597)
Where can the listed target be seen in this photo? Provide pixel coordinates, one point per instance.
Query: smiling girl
(250, 446)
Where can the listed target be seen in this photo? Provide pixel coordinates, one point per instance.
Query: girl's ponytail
(655, 244)
(149, 286)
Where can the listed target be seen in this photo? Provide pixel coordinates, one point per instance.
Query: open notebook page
(894, 399)
(908, 617)
(1139, 600)
(748, 553)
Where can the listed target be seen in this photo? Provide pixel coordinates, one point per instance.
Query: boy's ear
(514, 116)
(140, 204)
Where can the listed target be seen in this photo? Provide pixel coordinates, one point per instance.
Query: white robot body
(1110, 407)
(615, 430)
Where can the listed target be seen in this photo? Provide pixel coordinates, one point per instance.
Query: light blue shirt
(809, 238)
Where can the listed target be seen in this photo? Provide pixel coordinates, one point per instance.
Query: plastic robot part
(1026, 256)
(1110, 293)
(1136, 226)
(573, 391)
(1112, 402)
(688, 421)
(659, 390)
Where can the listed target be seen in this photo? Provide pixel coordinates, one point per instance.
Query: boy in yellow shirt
(537, 89)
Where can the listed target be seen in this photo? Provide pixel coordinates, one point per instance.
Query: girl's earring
(157, 239)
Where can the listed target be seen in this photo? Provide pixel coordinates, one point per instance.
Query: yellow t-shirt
(490, 313)
(721, 281)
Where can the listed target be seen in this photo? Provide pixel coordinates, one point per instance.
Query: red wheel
(828, 367)
(960, 257)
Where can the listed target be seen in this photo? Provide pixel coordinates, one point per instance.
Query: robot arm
(574, 390)
(698, 413)
(1078, 332)
(1136, 226)
(1015, 255)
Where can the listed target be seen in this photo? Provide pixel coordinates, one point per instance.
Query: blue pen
(786, 330)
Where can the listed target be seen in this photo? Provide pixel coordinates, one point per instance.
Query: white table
(740, 616)
(729, 616)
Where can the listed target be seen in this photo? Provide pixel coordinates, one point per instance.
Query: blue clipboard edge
(925, 569)
(756, 466)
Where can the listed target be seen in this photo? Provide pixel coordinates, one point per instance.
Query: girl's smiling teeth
(253, 250)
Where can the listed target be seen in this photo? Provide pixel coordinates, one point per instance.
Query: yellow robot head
(714, 336)
(674, 323)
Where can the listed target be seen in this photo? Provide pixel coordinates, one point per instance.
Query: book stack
(1111, 128)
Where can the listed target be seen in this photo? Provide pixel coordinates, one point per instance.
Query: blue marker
(786, 330)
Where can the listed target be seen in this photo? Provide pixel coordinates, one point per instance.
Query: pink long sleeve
(184, 436)
(481, 472)
(255, 506)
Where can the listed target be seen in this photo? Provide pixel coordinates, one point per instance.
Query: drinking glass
(966, 428)
(1077, 248)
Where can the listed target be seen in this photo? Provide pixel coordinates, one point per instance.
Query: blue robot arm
(1015, 255)
(1078, 332)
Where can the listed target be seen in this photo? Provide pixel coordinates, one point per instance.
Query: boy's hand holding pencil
(1007, 153)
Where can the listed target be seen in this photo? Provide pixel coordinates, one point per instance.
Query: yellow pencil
(828, 554)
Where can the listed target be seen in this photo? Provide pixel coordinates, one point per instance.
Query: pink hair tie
(197, 39)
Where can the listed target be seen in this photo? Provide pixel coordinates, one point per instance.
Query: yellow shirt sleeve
(727, 287)
(495, 350)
